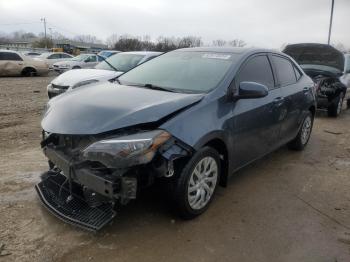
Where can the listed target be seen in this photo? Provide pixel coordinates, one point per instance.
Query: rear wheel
(302, 138)
(197, 183)
(28, 71)
(335, 108)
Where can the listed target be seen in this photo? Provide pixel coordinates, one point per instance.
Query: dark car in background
(330, 70)
(189, 118)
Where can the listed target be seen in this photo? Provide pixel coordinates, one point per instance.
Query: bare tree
(87, 39)
(237, 43)
(111, 40)
(219, 42)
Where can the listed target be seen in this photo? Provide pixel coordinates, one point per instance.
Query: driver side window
(91, 59)
(54, 56)
(257, 69)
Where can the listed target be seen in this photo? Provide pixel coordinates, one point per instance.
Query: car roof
(143, 53)
(8, 51)
(112, 51)
(242, 51)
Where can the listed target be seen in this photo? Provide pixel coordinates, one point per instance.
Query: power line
(27, 23)
(62, 29)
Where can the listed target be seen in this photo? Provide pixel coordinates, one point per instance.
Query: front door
(256, 122)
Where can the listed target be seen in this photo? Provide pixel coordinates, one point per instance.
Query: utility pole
(44, 20)
(330, 23)
(51, 35)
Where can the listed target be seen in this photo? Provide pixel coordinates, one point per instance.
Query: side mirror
(251, 90)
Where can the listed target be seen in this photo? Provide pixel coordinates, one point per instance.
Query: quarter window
(285, 71)
(297, 73)
(257, 69)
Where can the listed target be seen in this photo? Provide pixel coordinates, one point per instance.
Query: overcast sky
(265, 23)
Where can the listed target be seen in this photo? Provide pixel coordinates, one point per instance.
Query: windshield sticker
(217, 56)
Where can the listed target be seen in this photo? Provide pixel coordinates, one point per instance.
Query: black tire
(180, 192)
(28, 71)
(335, 108)
(348, 104)
(299, 143)
(76, 67)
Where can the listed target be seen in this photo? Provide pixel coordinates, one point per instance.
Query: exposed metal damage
(89, 178)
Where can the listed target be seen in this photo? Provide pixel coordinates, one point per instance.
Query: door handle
(278, 101)
(306, 90)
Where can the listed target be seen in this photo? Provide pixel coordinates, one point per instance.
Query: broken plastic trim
(53, 194)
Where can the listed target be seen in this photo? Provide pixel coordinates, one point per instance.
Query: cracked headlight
(83, 83)
(126, 151)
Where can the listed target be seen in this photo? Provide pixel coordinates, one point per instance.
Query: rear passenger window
(257, 69)
(285, 71)
(10, 56)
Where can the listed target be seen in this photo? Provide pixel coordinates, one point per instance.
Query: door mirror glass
(251, 90)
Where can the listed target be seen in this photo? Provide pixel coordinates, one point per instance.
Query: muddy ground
(289, 206)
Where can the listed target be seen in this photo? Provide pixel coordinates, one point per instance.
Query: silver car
(52, 58)
(107, 70)
(80, 61)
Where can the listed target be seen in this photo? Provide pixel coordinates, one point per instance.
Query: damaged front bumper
(72, 207)
(84, 188)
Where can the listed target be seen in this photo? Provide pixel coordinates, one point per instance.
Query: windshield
(80, 57)
(194, 72)
(122, 62)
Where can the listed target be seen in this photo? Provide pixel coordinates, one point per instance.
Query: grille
(53, 193)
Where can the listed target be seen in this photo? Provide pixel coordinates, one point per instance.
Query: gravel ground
(289, 206)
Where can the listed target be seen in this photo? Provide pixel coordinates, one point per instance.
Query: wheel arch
(217, 141)
(29, 67)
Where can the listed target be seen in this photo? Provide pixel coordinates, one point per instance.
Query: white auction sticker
(216, 56)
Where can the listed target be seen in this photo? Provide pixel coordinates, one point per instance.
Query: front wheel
(197, 183)
(303, 136)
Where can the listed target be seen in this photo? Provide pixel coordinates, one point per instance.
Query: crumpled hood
(72, 77)
(316, 54)
(108, 106)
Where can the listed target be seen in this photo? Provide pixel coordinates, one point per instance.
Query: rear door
(294, 94)
(10, 64)
(256, 121)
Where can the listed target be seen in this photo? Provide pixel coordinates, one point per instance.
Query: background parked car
(108, 53)
(106, 70)
(51, 58)
(13, 63)
(80, 61)
(32, 54)
(329, 69)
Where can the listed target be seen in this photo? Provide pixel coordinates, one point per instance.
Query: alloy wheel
(306, 130)
(202, 183)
